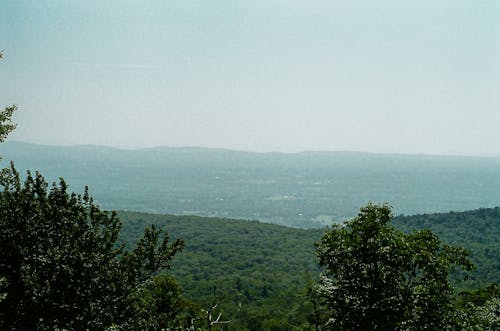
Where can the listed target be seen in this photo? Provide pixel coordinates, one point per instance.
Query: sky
(392, 76)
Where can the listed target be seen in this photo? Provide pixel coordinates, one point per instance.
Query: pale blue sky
(381, 76)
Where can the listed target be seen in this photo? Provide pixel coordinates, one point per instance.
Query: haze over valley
(309, 189)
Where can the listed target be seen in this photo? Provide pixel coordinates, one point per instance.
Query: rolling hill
(261, 269)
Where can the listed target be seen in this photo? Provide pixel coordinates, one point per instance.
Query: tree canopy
(61, 263)
(379, 278)
(6, 125)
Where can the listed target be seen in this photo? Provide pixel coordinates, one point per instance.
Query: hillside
(477, 230)
(307, 189)
(260, 269)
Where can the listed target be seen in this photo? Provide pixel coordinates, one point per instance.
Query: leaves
(379, 278)
(6, 125)
(61, 266)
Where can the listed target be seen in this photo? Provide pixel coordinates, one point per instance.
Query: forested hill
(477, 230)
(307, 189)
(260, 269)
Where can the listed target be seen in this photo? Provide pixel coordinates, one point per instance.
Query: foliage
(62, 266)
(488, 315)
(160, 306)
(478, 297)
(477, 230)
(484, 317)
(378, 278)
(6, 125)
(3, 284)
(478, 309)
(259, 268)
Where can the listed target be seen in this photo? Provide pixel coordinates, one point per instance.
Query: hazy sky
(382, 76)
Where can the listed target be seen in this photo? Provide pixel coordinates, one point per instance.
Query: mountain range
(309, 189)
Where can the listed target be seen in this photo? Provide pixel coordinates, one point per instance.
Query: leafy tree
(487, 316)
(61, 264)
(314, 305)
(161, 306)
(479, 310)
(478, 297)
(6, 125)
(378, 278)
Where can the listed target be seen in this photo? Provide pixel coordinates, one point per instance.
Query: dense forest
(477, 230)
(261, 270)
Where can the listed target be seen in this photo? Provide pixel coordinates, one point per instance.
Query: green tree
(6, 125)
(161, 306)
(378, 278)
(62, 265)
(487, 316)
(479, 309)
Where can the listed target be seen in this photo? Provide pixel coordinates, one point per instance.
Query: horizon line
(319, 151)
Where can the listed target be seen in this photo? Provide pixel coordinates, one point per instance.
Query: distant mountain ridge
(163, 148)
(308, 189)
